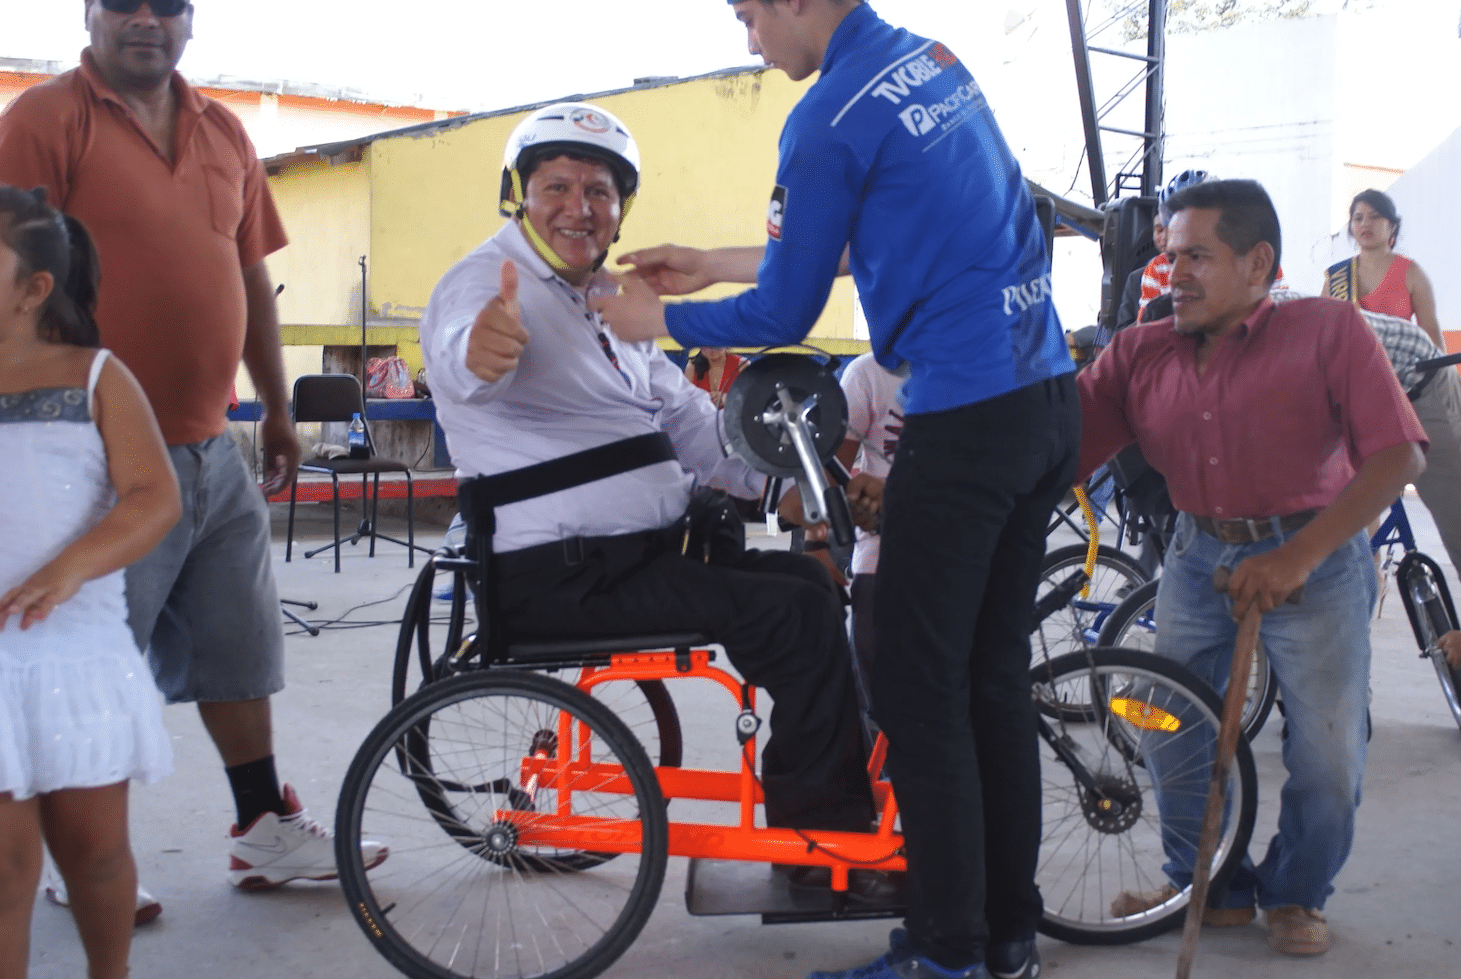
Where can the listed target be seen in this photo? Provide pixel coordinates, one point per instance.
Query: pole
(364, 305)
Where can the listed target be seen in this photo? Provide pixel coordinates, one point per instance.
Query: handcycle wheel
(1133, 626)
(1431, 613)
(1103, 833)
(425, 648)
(518, 755)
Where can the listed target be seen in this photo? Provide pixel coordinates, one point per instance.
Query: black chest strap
(480, 495)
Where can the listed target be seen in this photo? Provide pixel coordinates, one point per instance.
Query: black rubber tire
(1130, 627)
(454, 895)
(1427, 602)
(1078, 866)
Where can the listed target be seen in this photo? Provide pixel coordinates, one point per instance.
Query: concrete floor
(1395, 913)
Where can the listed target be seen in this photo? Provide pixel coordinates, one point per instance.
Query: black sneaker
(1013, 960)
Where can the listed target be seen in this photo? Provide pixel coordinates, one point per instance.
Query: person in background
(714, 370)
(179, 204)
(1378, 278)
(1380, 281)
(88, 488)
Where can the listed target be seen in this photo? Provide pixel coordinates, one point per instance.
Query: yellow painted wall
(709, 154)
(326, 211)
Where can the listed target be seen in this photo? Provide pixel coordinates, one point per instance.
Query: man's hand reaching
(497, 339)
(670, 270)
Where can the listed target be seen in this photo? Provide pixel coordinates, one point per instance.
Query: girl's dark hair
(48, 241)
(702, 365)
(1382, 205)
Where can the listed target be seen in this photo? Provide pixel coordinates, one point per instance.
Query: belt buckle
(573, 550)
(1252, 525)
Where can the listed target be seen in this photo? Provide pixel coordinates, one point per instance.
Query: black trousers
(780, 620)
(965, 512)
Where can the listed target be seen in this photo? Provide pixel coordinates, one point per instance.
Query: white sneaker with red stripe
(275, 849)
(148, 907)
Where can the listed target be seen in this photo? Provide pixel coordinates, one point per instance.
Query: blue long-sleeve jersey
(895, 151)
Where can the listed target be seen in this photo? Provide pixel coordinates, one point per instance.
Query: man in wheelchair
(525, 375)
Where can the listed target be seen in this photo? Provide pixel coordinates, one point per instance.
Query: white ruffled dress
(78, 706)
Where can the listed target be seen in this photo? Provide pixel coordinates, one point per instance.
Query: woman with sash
(1381, 282)
(1378, 279)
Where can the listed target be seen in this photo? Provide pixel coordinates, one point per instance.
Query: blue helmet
(1181, 182)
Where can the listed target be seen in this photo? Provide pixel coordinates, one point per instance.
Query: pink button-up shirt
(1289, 405)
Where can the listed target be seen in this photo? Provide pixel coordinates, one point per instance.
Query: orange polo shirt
(173, 238)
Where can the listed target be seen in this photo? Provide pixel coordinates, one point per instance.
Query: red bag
(388, 377)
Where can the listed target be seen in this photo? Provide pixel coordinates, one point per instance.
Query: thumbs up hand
(496, 342)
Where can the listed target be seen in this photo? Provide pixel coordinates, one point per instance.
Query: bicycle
(1423, 590)
(530, 831)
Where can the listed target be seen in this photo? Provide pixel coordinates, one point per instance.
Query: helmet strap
(550, 256)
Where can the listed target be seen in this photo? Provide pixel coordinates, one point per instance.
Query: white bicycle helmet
(578, 129)
(1181, 182)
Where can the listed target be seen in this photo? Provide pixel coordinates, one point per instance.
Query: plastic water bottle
(358, 448)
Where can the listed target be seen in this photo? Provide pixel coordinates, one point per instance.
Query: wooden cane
(1227, 747)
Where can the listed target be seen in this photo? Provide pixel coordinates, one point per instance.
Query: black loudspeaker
(1126, 246)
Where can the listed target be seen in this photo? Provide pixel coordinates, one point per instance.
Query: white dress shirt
(566, 396)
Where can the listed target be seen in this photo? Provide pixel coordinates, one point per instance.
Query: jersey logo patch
(775, 211)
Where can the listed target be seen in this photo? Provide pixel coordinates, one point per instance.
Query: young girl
(87, 489)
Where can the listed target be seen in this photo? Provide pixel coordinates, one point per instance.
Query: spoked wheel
(1432, 615)
(494, 791)
(1133, 625)
(1076, 619)
(1125, 781)
(1075, 625)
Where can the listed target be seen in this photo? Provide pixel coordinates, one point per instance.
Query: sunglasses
(162, 8)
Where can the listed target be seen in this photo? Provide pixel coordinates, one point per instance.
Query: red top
(729, 371)
(1290, 404)
(173, 238)
(1391, 296)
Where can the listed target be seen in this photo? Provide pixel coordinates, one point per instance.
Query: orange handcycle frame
(563, 772)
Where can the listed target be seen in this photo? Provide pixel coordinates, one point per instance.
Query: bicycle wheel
(1075, 624)
(516, 770)
(1103, 832)
(1428, 605)
(1133, 625)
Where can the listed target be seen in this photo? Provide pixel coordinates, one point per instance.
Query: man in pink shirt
(1282, 431)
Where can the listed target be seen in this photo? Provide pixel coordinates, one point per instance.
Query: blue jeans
(1319, 651)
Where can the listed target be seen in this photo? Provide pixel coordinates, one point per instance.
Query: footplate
(714, 887)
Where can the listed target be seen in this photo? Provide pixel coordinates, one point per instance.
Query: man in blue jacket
(892, 167)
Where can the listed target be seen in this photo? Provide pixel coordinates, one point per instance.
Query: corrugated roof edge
(328, 150)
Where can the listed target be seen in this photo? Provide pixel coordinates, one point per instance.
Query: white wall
(1258, 101)
(1428, 198)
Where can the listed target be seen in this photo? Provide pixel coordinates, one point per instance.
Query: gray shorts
(204, 604)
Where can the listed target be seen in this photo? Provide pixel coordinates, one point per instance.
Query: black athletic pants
(965, 512)
(780, 620)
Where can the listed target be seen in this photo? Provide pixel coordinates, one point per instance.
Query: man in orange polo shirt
(176, 199)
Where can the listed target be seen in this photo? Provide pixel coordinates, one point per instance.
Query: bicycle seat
(532, 649)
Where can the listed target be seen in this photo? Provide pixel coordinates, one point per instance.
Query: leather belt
(1250, 531)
